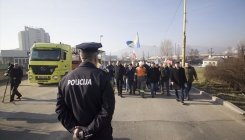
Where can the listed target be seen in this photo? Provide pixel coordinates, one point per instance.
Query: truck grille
(45, 70)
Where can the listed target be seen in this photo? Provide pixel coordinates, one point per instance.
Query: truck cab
(49, 62)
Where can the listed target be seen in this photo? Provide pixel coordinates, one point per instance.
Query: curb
(222, 102)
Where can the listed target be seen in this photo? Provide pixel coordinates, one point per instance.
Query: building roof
(14, 53)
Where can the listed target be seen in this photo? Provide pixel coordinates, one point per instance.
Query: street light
(100, 37)
(103, 54)
(154, 52)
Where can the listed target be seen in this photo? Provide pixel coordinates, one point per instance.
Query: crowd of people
(161, 78)
(86, 110)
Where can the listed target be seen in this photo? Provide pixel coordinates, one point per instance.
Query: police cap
(89, 46)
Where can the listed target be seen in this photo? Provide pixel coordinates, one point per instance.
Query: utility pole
(154, 52)
(102, 54)
(184, 36)
(175, 49)
(178, 54)
(143, 56)
(110, 56)
(211, 52)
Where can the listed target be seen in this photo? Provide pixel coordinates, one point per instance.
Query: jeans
(181, 94)
(131, 85)
(159, 84)
(166, 82)
(125, 83)
(153, 88)
(188, 88)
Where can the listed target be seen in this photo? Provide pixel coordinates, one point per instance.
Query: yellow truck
(49, 62)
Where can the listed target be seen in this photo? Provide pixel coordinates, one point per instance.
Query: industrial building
(31, 35)
(26, 39)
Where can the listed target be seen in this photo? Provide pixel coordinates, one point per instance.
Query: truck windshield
(45, 55)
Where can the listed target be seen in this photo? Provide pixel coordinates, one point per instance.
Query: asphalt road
(135, 118)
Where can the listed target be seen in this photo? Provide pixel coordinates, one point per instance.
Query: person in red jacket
(140, 76)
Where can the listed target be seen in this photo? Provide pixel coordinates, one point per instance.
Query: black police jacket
(18, 74)
(86, 98)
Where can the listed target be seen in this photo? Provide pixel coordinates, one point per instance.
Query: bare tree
(126, 54)
(241, 50)
(229, 51)
(166, 48)
(188, 48)
(193, 54)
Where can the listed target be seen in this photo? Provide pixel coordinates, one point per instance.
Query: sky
(210, 23)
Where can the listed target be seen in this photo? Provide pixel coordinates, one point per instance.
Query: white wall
(205, 63)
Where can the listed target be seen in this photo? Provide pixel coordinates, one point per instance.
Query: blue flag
(135, 43)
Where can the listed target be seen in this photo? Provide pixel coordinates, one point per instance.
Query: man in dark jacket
(110, 70)
(153, 77)
(130, 75)
(178, 80)
(119, 73)
(125, 78)
(15, 79)
(158, 82)
(165, 74)
(190, 73)
(85, 100)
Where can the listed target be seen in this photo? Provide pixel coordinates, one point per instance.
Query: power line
(208, 6)
(172, 19)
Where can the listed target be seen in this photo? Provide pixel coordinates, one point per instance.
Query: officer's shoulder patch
(103, 71)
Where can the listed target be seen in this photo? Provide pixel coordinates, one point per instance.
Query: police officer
(85, 101)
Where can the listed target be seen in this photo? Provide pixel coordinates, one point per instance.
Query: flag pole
(133, 57)
(132, 60)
